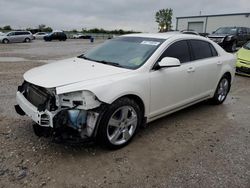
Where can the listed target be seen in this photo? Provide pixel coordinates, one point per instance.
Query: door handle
(219, 63)
(191, 69)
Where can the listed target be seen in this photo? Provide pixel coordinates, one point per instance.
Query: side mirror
(213, 32)
(168, 62)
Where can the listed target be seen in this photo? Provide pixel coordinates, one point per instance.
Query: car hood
(70, 71)
(218, 35)
(244, 54)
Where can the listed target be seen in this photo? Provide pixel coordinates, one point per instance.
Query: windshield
(247, 46)
(127, 52)
(226, 30)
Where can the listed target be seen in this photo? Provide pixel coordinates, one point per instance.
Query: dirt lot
(202, 146)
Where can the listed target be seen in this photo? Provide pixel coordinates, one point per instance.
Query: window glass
(201, 49)
(127, 52)
(179, 50)
(17, 33)
(214, 52)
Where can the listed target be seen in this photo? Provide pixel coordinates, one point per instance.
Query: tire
(222, 90)
(27, 40)
(119, 123)
(41, 131)
(6, 41)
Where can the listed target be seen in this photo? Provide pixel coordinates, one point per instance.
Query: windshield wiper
(84, 57)
(101, 61)
(109, 63)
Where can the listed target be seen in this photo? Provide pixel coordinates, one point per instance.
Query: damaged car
(111, 91)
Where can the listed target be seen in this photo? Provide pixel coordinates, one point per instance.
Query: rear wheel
(6, 41)
(119, 123)
(27, 40)
(222, 90)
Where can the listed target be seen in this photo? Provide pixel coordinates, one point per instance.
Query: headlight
(80, 99)
(228, 38)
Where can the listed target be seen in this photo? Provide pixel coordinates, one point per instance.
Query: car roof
(166, 35)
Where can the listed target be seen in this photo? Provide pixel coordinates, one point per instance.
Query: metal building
(210, 23)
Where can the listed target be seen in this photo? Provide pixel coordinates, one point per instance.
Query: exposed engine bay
(70, 115)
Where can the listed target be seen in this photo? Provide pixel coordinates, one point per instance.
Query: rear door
(207, 67)
(19, 36)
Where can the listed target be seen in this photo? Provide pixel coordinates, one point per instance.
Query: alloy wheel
(122, 125)
(223, 89)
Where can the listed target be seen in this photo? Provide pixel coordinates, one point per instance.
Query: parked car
(243, 62)
(191, 32)
(1, 33)
(40, 35)
(111, 91)
(230, 37)
(81, 36)
(16, 36)
(76, 36)
(56, 35)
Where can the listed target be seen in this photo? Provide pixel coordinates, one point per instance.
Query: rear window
(202, 49)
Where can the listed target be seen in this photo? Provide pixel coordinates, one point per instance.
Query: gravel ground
(202, 146)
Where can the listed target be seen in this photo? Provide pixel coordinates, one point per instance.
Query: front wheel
(6, 41)
(221, 90)
(119, 123)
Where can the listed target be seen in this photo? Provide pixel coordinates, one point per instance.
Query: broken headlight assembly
(81, 99)
(77, 111)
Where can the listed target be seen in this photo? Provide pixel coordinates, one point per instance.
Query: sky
(137, 15)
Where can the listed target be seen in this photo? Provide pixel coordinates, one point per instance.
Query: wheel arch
(228, 75)
(137, 99)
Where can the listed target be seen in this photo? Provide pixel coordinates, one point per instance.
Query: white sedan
(108, 93)
(40, 35)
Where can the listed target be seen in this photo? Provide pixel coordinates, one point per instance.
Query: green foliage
(164, 19)
(103, 31)
(44, 28)
(7, 28)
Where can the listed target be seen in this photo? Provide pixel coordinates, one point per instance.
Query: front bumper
(243, 68)
(42, 118)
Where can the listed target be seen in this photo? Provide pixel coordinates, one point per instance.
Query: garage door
(196, 26)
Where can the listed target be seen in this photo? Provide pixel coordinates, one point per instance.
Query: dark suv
(57, 35)
(231, 37)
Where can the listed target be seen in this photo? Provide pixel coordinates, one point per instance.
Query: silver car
(16, 36)
(40, 35)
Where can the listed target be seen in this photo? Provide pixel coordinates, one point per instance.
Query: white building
(210, 23)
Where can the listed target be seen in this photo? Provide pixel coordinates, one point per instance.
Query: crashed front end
(63, 114)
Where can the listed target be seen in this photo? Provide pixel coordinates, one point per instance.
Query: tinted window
(213, 50)
(244, 30)
(179, 50)
(201, 49)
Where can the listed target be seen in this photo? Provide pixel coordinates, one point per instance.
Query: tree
(44, 28)
(7, 28)
(41, 27)
(164, 19)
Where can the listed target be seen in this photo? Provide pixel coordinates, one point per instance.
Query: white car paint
(162, 91)
(40, 35)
